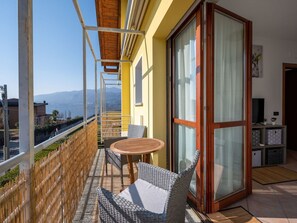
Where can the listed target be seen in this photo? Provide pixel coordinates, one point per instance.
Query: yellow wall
(125, 77)
(125, 96)
(161, 17)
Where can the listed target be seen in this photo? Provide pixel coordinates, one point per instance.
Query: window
(138, 83)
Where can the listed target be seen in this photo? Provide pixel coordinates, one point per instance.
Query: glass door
(187, 99)
(228, 103)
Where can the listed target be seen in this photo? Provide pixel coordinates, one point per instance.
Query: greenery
(10, 175)
(55, 114)
(43, 153)
(13, 173)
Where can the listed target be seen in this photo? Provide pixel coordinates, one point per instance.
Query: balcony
(62, 187)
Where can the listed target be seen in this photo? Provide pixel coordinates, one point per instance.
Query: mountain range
(71, 102)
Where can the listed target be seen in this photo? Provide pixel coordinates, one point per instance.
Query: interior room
(275, 52)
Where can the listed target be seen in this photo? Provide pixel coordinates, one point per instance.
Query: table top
(137, 146)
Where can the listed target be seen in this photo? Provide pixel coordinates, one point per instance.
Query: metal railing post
(6, 154)
(84, 76)
(96, 92)
(101, 110)
(26, 108)
(104, 95)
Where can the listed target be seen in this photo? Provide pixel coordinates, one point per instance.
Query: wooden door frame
(195, 12)
(285, 66)
(212, 205)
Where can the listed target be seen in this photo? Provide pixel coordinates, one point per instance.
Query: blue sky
(57, 45)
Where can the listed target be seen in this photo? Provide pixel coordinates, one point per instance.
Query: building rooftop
(14, 102)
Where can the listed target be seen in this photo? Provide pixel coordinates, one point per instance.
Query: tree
(55, 114)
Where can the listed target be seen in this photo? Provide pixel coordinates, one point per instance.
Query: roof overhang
(109, 30)
(108, 15)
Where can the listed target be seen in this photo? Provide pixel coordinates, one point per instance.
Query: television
(258, 110)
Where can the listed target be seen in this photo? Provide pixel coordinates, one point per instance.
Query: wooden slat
(12, 207)
(108, 15)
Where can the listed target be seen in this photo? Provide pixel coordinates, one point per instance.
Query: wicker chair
(117, 160)
(157, 196)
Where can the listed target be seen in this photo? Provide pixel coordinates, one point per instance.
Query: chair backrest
(175, 207)
(136, 131)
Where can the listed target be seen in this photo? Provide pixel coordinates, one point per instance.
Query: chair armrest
(156, 175)
(108, 142)
(113, 208)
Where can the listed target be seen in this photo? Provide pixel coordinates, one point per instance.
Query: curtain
(228, 69)
(185, 96)
(185, 73)
(228, 104)
(186, 144)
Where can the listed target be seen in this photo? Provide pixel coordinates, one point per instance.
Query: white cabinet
(256, 158)
(268, 145)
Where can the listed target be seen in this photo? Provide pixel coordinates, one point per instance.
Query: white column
(101, 94)
(96, 91)
(101, 110)
(26, 108)
(84, 77)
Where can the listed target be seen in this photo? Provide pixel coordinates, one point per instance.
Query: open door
(187, 100)
(289, 103)
(228, 98)
(212, 112)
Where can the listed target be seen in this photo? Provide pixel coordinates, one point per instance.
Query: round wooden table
(136, 146)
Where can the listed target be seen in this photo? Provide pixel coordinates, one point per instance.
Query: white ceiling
(271, 18)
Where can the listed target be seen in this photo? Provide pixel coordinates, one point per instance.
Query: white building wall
(275, 53)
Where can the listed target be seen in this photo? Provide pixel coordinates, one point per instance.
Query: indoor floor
(274, 203)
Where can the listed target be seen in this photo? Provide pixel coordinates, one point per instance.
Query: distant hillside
(72, 101)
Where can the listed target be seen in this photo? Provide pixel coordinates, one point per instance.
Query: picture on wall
(257, 61)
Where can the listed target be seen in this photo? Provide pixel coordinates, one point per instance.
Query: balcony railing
(51, 190)
(113, 124)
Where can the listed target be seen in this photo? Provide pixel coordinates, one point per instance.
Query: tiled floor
(275, 203)
(87, 210)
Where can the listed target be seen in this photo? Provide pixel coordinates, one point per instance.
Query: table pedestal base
(130, 169)
(146, 158)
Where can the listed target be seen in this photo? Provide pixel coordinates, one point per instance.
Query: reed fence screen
(56, 182)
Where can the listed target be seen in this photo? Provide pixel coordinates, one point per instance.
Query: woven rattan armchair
(118, 160)
(157, 196)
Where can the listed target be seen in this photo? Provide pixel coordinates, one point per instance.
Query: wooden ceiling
(108, 15)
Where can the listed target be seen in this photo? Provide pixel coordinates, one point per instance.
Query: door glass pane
(228, 69)
(185, 73)
(185, 150)
(228, 161)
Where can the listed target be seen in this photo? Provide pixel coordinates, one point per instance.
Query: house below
(40, 115)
